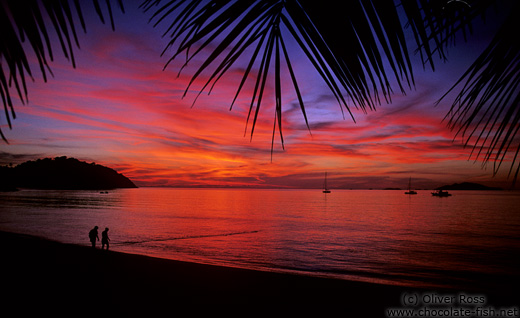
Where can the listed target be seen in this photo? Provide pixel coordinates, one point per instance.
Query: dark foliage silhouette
(28, 21)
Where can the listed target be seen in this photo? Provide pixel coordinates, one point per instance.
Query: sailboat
(325, 189)
(410, 191)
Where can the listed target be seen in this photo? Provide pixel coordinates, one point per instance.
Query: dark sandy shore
(45, 277)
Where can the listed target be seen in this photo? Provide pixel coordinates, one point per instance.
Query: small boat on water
(410, 191)
(441, 193)
(325, 188)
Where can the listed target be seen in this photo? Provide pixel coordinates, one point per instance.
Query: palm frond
(358, 48)
(486, 111)
(22, 21)
(349, 46)
(436, 24)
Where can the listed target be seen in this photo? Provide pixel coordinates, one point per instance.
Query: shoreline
(43, 276)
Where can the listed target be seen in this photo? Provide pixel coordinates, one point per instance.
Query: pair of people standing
(93, 236)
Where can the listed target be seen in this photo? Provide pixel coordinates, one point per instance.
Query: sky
(119, 108)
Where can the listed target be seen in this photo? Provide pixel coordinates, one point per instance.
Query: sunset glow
(120, 108)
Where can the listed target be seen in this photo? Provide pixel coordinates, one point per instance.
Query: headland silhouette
(62, 173)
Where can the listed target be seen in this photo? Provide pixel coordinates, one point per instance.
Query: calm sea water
(471, 238)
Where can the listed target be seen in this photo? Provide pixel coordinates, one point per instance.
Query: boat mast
(325, 182)
(325, 189)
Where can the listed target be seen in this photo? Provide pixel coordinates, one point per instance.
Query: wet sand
(46, 277)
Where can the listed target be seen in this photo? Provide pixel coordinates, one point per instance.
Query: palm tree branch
(262, 79)
(295, 83)
(278, 88)
(223, 45)
(486, 109)
(22, 21)
(257, 30)
(320, 65)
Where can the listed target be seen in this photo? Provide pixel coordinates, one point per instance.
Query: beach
(42, 276)
(47, 277)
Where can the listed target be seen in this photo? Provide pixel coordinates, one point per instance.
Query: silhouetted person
(93, 235)
(104, 239)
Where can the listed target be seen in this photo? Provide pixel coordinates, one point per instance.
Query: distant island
(467, 186)
(61, 173)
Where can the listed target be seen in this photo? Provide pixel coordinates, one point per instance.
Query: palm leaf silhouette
(357, 47)
(28, 20)
(353, 72)
(486, 111)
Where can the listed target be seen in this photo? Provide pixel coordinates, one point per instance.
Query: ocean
(471, 239)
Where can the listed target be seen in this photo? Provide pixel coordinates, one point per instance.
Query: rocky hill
(62, 173)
